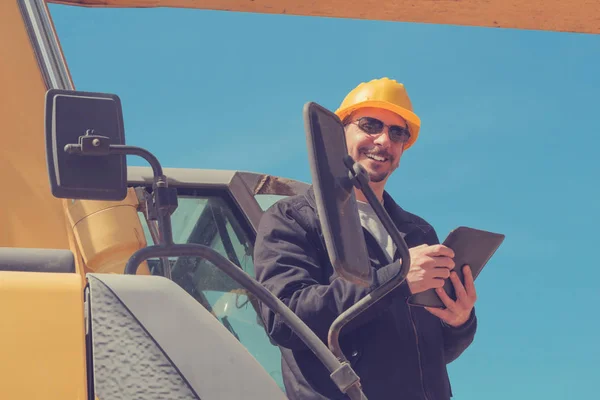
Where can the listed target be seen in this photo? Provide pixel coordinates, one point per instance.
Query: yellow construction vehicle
(76, 323)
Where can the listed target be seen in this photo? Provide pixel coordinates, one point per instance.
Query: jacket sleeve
(287, 263)
(456, 339)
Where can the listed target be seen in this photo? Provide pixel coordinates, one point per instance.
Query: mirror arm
(359, 177)
(96, 145)
(341, 372)
(163, 201)
(140, 152)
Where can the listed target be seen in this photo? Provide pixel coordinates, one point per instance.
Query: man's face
(376, 152)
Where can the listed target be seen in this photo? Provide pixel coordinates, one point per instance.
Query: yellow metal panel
(551, 15)
(107, 233)
(42, 336)
(29, 215)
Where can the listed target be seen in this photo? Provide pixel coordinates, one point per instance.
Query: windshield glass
(211, 221)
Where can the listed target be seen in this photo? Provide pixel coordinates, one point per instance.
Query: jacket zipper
(382, 256)
(418, 352)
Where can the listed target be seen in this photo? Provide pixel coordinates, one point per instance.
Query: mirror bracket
(346, 379)
(90, 145)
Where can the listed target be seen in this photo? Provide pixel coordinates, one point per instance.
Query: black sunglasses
(373, 126)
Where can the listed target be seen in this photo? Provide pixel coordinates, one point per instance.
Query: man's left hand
(457, 312)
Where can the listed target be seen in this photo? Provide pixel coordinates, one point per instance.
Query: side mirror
(93, 121)
(86, 154)
(334, 193)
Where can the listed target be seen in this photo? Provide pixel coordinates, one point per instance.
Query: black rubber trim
(36, 260)
(89, 343)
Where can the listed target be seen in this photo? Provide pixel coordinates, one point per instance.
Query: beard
(378, 175)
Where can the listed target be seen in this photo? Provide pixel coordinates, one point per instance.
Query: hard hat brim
(413, 121)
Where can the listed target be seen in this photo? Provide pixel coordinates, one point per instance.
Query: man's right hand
(429, 267)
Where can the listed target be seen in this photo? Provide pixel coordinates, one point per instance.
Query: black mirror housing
(335, 197)
(94, 121)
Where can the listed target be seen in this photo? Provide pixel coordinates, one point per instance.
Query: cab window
(213, 220)
(267, 200)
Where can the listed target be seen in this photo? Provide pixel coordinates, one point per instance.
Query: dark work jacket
(398, 351)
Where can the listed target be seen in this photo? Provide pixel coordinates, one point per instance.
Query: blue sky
(509, 143)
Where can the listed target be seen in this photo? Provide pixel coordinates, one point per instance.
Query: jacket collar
(398, 215)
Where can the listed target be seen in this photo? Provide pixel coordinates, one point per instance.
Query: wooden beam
(582, 16)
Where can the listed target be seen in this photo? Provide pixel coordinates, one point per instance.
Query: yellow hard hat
(382, 93)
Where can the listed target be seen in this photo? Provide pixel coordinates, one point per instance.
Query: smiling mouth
(376, 157)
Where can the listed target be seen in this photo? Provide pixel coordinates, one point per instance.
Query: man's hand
(429, 267)
(457, 312)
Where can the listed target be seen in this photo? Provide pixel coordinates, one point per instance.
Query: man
(398, 351)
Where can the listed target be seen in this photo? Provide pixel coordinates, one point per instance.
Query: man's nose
(383, 138)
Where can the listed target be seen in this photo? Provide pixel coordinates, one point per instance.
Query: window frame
(46, 47)
(228, 199)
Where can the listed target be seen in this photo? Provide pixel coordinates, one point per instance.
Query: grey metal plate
(211, 360)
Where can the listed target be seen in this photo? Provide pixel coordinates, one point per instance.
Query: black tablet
(471, 247)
